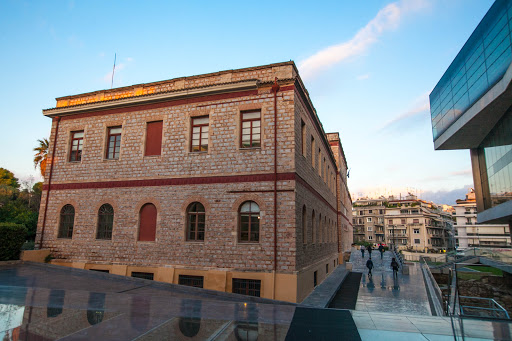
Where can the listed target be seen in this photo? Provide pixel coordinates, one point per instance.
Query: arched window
(147, 225)
(67, 220)
(313, 225)
(304, 226)
(249, 220)
(105, 222)
(195, 221)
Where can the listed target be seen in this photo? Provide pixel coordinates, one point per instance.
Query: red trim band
(172, 181)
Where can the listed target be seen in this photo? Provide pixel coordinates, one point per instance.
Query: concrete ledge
(323, 294)
(34, 255)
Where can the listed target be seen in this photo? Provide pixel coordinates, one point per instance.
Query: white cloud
(362, 77)
(386, 19)
(420, 106)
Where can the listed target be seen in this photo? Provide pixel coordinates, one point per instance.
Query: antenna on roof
(113, 70)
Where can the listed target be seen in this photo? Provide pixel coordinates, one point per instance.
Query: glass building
(471, 108)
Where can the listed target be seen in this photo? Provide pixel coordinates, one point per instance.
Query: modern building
(368, 220)
(471, 108)
(225, 181)
(470, 234)
(409, 223)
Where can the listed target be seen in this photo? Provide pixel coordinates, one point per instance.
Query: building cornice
(153, 98)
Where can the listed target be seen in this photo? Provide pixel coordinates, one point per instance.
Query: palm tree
(41, 155)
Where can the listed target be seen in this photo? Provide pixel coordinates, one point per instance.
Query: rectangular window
(369, 219)
(191, 281)
(416, 241)
(200, 126)
(319, 162)
(154, 138)
(251, 129)
(303, 131)
(315, 278)
(77, 142)
(114, 142)
(370, 238)
(381, 211)
(249, 287)
(326, 268)
(361, 212)
(416, 231)
(402, 221)
(143, 275)
(313, 151)
(415, 221)
(100, 270)
(370, 211)
(370, 228)
(390, 221)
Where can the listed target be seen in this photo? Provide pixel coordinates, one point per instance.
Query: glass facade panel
(498, 158)
(481, 63)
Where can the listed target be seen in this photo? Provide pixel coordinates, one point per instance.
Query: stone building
(471, 234)
(225, 181)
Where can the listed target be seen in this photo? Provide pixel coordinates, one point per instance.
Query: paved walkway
(382, 293)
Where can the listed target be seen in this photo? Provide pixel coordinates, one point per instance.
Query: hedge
(12, 237)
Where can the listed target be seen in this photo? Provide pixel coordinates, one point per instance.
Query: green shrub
(12, 237)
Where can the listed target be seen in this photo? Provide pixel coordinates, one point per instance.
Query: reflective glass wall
(480, 64)
(498, 159)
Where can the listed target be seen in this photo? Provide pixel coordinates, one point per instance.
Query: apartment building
(368, 220)
(470, 234)
(413, 224)
(408, 223)
(471, 108)
(225, 181)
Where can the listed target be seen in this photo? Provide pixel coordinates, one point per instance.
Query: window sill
(198, 242)
(75, 162)
(248, 243)
(152, 156)
(111, 160)
(198, 153)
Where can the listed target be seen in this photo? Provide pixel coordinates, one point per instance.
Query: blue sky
(368, 66)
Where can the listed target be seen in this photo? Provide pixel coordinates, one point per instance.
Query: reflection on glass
(139, 312)
(481, 63)
(95, 308)
(498, 158)
(55, 303)
(11, 318)
(190, 321)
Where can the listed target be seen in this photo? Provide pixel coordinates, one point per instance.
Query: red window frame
(202, 131)
(147, 222)
(114, 143)
(75, 149)
(249, 223)
(250, 129)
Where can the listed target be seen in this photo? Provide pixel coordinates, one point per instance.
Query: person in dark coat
(395, 267)
(370, 251)
(362, 250)
(369, 265)
(381, 250)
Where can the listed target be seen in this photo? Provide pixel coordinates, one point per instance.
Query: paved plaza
(383, 293)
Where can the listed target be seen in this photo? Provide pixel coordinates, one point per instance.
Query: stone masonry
(311, 176)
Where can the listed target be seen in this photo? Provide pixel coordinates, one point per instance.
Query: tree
(41, 156)
(7, 178)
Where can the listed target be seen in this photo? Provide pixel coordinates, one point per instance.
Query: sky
(369, 67)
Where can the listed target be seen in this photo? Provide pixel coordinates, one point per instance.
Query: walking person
(395, 267)
(369, 265)
(362, 250)
(381, 250)
(370, 251)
